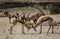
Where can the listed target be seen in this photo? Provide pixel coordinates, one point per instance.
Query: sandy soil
(31, 34)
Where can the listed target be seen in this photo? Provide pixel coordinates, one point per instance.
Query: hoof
(10, 33)
(23, 33)
(47, 32)
(8, 29)
(52, 32)
(39, 32)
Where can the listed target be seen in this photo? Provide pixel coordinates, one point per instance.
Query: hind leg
(49, 29)
(52, 29)
(49, 26)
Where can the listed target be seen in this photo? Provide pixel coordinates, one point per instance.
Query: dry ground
(17, 31)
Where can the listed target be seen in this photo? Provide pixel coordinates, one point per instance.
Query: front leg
(40, 28)
(23, 30)
(11, 29)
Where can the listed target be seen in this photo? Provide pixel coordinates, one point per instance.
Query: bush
(55, 10)
(44, 7)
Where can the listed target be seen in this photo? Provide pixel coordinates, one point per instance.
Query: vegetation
(55, 9)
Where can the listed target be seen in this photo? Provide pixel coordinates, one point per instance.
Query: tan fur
(43, 19)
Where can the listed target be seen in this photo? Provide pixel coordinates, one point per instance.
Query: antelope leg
(11, 29)
(52, 29)
(34, 28)
(23, 30)
(49, 29)
(40, 28)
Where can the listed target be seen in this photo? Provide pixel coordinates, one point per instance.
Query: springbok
(14, 18)
(43, 19)
(25, 18)
(31, 18)
(35, 16)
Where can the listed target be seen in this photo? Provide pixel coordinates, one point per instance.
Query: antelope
(43, 19)
(14, 18)
(31, 17)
